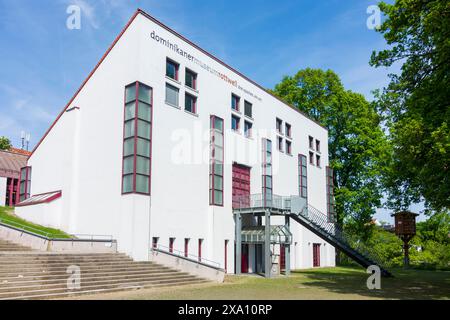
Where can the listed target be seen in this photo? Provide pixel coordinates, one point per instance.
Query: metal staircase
(318, 223)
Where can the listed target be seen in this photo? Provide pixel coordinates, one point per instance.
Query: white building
(129, 156)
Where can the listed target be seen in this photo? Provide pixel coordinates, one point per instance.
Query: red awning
(41, 198)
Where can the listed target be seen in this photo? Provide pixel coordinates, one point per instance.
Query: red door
(283, 257)
(316, 255)
(244, 261)
(241, 185)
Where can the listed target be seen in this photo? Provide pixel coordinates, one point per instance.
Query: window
(303, 176)
(200, 242)
(288, 147)
(155, 242)
(248, 112)
(171, 243)
(190, 103)
(311, 158)
(172, 69)
(330, 195)
(186, 247)
(267, 184)
(248, 129)
(317, 145)
(280, 144)
(172, 95)
(288, 130)
(311, 143)
(216, 162)
(25, 183)
(235, 100)
(226, 256)
(279, 126)
(191, 79)
(235, 123)
(137, 139)
(318, 161)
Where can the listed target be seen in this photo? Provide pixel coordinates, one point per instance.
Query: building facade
(163, 141)
(11, 162)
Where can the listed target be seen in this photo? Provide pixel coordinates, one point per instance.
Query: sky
(42, 62)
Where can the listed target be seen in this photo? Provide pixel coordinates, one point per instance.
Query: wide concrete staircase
(26, 274)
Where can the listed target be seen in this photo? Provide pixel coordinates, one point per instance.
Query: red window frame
(194, 78)
(213, 163)
(238, 123)
(236, 101)
(25, 181)
(171, 243)
(200, 242)
(248, 107)
(136, 119)
(186, 247)
(177, 67)
(303, 173)
(194, 102)
(267, 151)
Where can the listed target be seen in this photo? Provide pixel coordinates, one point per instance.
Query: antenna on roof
(27, 140)
(22, 136)
(25, 137)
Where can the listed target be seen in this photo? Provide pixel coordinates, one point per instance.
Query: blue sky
(43, 63)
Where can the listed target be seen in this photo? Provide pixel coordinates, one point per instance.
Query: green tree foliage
(358, 148)
(5, 143)
(416, 104)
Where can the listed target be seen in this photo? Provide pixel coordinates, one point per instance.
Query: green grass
(7, 217)
(315, 284)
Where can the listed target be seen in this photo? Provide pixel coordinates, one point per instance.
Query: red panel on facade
(241, 184)
(316, 255)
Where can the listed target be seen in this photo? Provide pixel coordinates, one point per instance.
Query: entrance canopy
(278, 235)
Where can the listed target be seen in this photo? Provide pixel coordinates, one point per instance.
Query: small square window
(190, 103)
(280, 144)
(279, 126)
(317, 145)
(155, 242)
(311, 142)
(311, 158)
(248, 109)
(172, 95)
(288, 130)
(289, 147)
(191, 79)
(172, 69)
(318, 161)
(235, 100)
(248, 129)
(235, 123)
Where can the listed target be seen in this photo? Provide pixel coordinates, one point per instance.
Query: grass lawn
(7, 217)
(315, 284)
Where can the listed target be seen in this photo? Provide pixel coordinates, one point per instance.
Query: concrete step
(84, 269)
(100, 291)
(99, 281)
(38, 254)
(11, 282)
(125, 285)
(12, 263)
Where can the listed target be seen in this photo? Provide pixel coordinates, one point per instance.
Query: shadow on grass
(406, 284)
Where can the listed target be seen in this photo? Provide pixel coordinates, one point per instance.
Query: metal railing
(189, 257)
(262, 201)
(52, 235)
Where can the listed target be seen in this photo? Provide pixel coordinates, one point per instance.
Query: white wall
(82, 155)
(3, 191)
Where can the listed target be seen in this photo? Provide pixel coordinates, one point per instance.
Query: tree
(416, 104)
(5, 143)
(358, 148)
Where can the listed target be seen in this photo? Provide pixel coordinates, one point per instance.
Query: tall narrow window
(303, 176)
(317, 145)
(318, 162)
(288, 130)
(216, 162)
(235, 123)
(248, 112)
(171, 243)
(248, 129)
(25, 183)
(235, 100)
(186, 247)
(191, 79)
(137, 139)
(279, 126)
(200, 243)
(311, 158)
(190, 103)
(311, 143)
(172, 69)
(267, 185)
(155, 242)
(330, 195)
(280, 144)
(288, 147)
(226, 256)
